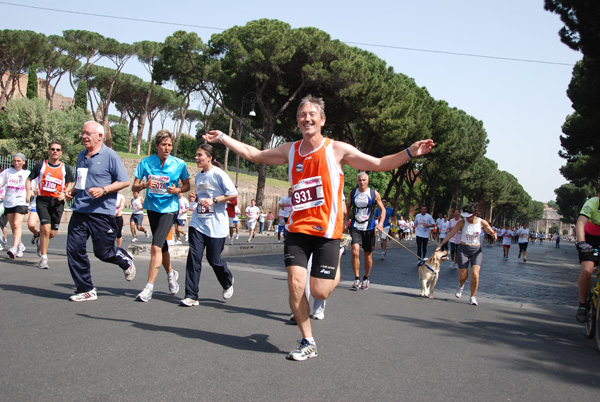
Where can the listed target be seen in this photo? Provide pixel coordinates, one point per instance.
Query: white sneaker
(173, 285)
(147, 234)
(43, 262)
(134, 240)
(320, 313)
(12, 252)
(459, 290)
(129, 273)
(20, 250)
(37, 245)
(177, 242)
(186, 237)
(145, 295)
(227, 293)
(473, 301)
(187, 302)
(87, 296)
(237, 236)
(231, 241)
(356, 284)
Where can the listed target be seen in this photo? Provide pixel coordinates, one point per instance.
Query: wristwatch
(215, 200)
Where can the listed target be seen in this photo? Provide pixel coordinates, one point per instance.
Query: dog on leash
(429, 272)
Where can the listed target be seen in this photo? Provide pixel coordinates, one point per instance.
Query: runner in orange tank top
(315, 170)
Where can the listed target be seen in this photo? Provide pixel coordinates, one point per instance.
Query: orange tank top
(317, 188)
(51, 180)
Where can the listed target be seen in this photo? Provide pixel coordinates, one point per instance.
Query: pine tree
(80, 98)
(32, 84)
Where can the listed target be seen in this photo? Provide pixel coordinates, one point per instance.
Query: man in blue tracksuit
(100, 175)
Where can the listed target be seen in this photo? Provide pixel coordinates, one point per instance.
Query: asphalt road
(521, 343)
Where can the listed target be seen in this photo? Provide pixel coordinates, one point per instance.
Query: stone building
(58, 101)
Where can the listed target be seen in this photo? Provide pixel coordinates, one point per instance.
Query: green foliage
(120, 133)
(570, 199)
(80, 98)
(32, 83)
(30, 126)
(188, 146)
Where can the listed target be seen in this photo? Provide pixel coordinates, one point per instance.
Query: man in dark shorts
(54, 180)
(362, 203)
(315, 225)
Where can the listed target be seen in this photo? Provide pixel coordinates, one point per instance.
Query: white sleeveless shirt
(471, 232)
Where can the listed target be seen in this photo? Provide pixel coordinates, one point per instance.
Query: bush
(30, 126)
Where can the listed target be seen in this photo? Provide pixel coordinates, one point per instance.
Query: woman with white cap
(16, 203)
(469, 250)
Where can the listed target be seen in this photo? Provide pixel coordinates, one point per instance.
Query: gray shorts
(469, 255)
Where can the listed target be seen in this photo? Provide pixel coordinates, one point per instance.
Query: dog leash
(406, 248)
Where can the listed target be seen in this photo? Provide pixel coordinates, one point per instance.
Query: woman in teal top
(165, 177)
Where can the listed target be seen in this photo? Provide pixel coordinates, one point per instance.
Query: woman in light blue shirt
(165, 178)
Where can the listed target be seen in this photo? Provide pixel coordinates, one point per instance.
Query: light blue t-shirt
(213, 222)
(173, 170)
(103, 168)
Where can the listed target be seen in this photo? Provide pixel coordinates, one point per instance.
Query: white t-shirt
(507, 236)
(443, 226)
(451, 224)
(523, 235)
(184, 205)
(13, 181)
(420, 222)
(286, 204)
(252, 213)
(135, 206)
(120, 198)
(213, 221)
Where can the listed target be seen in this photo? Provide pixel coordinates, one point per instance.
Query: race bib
(361, 225)
(50, 184)
(81, 178)
(161, 185)
(308, 193)
(205, 212)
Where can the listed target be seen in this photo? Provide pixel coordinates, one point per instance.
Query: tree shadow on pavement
(254, 342)
(544, 343)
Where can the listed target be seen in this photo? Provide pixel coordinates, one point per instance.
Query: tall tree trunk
(149, 136)
(142, 119)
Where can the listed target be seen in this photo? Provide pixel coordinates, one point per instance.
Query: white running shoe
(43, 262)
(12, 252)
(231, 241)
(227, 293)
(86, 296)
(473, 301)
(459, 291)
(129, 273)
(147, 234)
(186, 237)
(134, 240)
(20, 250)
(38, 247)
(237, 236)
(320, 313)
(188, 302)
(145, 295)
(173, 285)
(356, 284)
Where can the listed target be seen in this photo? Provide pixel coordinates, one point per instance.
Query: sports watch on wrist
(215, 200)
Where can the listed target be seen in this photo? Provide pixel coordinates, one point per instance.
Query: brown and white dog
(429, 272)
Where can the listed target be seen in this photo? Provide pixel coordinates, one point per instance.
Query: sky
(501, 62)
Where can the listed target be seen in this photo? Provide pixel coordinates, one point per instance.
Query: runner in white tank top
(469, 250)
